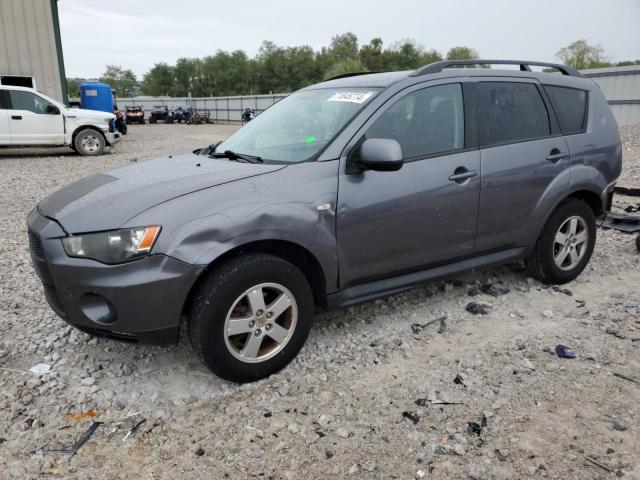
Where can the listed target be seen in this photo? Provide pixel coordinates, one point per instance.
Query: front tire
(250, 317)
(565, 244)
(89, 142)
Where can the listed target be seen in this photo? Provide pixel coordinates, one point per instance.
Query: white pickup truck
(29, 118)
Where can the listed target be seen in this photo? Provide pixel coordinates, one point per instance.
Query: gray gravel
(366, 398)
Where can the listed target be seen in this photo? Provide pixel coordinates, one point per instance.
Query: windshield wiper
(237, 156)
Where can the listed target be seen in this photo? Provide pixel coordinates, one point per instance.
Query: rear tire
(565, 245)
(89, 142)
(267, 300)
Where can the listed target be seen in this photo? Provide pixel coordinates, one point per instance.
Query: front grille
(53, 300)
(35, 245)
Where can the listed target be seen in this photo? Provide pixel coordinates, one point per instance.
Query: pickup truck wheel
(565, 244)
(89, 142)
(250, 317)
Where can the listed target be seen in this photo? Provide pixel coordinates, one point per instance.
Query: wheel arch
(292, 252)
(87, 127)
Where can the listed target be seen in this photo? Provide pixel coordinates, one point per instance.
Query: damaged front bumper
(139, 301)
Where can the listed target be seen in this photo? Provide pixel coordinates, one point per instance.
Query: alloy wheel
(260, 322)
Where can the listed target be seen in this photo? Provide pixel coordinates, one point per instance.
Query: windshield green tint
(299, 126)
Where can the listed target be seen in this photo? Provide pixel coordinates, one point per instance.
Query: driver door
(32, 120)
(391, 223)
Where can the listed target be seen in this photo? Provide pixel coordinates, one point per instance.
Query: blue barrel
(96, 96)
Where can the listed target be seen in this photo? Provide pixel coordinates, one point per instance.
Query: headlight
(115, 246)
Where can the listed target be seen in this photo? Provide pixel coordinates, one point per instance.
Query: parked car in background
(355, 188)
(160, 113)
(30, 118)
(179, 115)
(134, 114)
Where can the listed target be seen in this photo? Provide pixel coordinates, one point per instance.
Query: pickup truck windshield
(299, 126)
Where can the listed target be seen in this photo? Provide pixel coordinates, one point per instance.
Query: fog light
(97, 309)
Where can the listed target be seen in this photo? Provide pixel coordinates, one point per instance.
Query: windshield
(299, 126)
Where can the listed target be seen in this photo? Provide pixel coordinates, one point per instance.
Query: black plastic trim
(381, 288)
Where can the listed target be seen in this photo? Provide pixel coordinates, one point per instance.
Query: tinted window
(4, 99)
(21, 100)
(424, 122)
(570, 106)
(511, 112)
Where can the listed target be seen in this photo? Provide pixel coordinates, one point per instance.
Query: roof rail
(352, 74)
(437, 67)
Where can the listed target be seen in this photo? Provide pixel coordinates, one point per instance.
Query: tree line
(277, 69)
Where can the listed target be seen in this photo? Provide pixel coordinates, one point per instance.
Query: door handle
(461, 174)
(556, 154)
(16, 117)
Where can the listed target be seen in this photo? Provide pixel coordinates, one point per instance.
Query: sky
(137, 34)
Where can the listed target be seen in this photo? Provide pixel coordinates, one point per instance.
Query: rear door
(32, 120)
(5, 134)
(523, 157)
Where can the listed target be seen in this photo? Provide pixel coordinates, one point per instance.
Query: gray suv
(355, 188)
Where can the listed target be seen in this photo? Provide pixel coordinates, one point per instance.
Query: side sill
(381, 288)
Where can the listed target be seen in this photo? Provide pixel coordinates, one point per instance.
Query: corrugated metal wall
(621, 87)
(28, 45)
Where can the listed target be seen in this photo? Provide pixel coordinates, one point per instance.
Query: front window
(22, 100)
(300, 126)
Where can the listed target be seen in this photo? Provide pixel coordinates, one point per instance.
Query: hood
(107, 200)
(83, 113)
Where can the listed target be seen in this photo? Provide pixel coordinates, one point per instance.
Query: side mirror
(380, 154)
(52, 110)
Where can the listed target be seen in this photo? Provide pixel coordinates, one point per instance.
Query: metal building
(621, 87)
(30, 46)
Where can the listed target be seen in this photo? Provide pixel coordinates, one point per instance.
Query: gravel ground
(473, 396)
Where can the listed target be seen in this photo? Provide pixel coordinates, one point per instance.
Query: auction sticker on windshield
(352, 97)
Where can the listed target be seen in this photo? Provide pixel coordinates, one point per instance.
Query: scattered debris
(459, 380)
(565, 352)
(566, 291)
(113, 431)
(423, 402)
(443, 327)
(200, 452)
(495, 289)
(630, 192)
(133, 429)
(622, 223)
(81, 415)
(502, 455)
(603, 466)
(619, 425)
(478, 308)
(581, 303)
(414, 417)
(624, 377)
(475, 427)
(41, 368)
(417, 327)
(82, 440)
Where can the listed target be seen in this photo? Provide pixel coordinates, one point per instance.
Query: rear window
(570, 105)
(511, 112)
